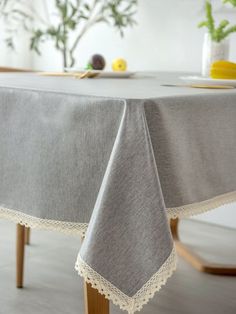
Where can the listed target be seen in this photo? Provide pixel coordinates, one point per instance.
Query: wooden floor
(53, 287)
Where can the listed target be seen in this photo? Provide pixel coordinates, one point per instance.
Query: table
(113, 160)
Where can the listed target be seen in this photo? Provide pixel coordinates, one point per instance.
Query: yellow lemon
(119, 65)
(223, 70)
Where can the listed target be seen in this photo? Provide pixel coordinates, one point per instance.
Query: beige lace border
(39, 223)
(201, 207)
(80, 228)
(129, 304)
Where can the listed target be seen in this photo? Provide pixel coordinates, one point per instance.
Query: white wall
(20, 57)
(166, 38)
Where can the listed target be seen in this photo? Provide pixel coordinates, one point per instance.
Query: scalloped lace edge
(39, 223)
(81, 228)
(201, 207)
(129, 304)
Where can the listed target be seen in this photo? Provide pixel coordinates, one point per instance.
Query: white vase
(213, 51)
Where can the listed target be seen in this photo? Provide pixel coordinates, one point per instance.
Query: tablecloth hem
(201, 207)
(126, 303)
(81, 228)
(40, 223)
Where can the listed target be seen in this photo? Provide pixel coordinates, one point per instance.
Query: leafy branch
(74, 19)
(233, 2)
(220, 32)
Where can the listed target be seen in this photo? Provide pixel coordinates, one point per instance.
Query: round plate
(207, 81)
(105, 74)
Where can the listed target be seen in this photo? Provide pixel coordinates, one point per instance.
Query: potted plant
(72, 19)
(216, 40)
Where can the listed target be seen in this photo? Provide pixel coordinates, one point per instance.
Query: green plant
(220, 32)
(233, 2)
(71, 21)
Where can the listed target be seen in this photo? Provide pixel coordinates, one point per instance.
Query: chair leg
(196, 261)
(27, 235)
(95, 303)
(20, 249)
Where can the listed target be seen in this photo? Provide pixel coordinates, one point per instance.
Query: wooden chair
(197, 261)
(7, 69)
(95, 303)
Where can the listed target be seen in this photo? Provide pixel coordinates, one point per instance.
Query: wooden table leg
(20, 249)
(95, 303)
(196, 261)
(27, 235)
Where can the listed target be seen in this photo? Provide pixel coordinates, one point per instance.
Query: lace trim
(39, 223)
(130, 304)
(80, 228)
(201, 207)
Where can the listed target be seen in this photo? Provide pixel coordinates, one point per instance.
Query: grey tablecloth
(118, 156)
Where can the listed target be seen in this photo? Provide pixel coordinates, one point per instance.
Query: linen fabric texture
(116, 167)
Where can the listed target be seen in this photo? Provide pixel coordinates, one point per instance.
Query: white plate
(207, 81)
(104, 74)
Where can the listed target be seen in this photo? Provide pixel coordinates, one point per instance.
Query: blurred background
(165, 38)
